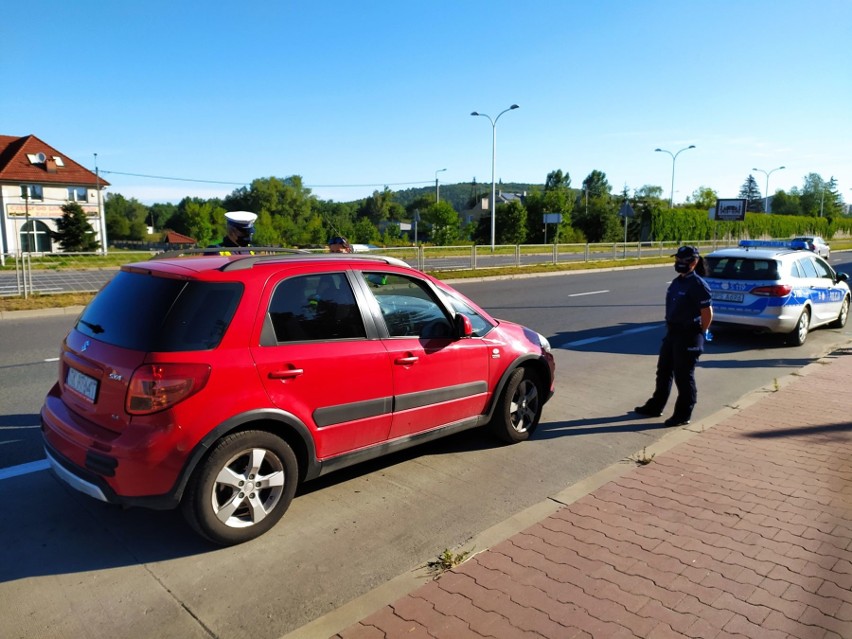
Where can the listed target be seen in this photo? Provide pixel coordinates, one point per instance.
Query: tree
(703, 197)
(751, 193)
(511, 227)
(126, 219)
(595, 215)
(445, 223)
(377, 207)
(74, 232)
(786, 204)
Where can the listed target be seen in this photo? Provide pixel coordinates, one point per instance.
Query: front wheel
(800, 333)
(242, 488)
(519, 408)
(840, 322)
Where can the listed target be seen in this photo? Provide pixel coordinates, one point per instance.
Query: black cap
(338, 240)
(686, 253)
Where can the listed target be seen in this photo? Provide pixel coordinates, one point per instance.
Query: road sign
(626, 211)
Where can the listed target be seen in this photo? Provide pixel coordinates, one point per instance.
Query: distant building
(481, 208)
(36, 181)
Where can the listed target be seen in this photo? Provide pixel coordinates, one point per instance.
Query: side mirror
(842, 277)
(463, 326)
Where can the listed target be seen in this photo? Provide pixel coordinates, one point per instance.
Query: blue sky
(353, 96)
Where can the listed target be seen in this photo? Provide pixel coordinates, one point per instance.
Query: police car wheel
(800, 333)
(242, 488)
(840, 322)
(519, 408)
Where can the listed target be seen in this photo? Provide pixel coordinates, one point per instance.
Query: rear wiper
(95, 328)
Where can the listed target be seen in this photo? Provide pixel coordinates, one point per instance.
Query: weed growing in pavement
(641, 459)
(775, 385)
(446, 561)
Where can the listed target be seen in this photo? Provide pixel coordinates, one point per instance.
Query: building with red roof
(36, 181)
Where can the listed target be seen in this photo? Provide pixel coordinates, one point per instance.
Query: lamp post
(493, 204)
(674, 157)
(767, 174)
(437, 188)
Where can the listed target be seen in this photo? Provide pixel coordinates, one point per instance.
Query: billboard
(729, 210)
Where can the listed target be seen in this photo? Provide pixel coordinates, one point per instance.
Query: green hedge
(694, 224)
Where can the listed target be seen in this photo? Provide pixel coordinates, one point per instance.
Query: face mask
(682, 267)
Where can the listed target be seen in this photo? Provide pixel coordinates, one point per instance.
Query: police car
(775, 287)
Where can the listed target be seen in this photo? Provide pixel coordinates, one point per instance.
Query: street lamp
(767, 174)
(437, 188)
(493, 162)
(674, 157)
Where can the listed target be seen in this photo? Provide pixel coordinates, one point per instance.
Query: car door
(822, 292)
(439, 379)
(316, 362)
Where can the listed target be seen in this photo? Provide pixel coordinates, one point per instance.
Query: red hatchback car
(217, 384)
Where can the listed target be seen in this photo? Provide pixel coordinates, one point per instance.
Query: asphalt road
(70, 566)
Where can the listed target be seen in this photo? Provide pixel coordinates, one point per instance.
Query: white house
(36, 181)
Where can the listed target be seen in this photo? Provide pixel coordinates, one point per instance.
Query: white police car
(772, 286)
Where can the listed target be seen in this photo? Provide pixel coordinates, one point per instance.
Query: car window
(808, 267)
(157, 314)
(480, 325)
(408, 307)
(742, 268)
(796, 270)
(315, 307)
(822, 269)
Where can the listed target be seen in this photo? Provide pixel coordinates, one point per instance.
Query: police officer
(240, 228)
(688, 316)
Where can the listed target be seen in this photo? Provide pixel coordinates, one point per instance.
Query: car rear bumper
(782, 322)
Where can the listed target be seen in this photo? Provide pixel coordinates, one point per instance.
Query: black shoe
(674, 420)
(647, 411)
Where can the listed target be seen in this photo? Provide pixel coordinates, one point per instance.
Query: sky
(201, 98)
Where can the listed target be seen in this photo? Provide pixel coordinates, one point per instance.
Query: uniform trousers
(679, 353)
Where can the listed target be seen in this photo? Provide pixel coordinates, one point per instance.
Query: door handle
(406, 361)
(287, 373)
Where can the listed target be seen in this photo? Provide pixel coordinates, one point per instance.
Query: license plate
(84, 384)
(724, 296)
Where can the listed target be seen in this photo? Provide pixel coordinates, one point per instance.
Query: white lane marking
(24, 469)
(629, 331)
(589, 293)
(52, 359)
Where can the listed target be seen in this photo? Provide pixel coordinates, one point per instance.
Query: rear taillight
(156, 387)
(776, 290)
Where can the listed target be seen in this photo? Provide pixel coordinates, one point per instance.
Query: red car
(217, 384)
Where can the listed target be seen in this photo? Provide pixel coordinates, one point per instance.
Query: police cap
(241, 219)
(687, 253)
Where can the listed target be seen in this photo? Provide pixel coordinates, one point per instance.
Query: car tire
(800, 333)
(840, 322)
(519, 407)
(242, 488)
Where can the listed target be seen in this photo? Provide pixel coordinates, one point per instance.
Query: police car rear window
(742, 268)
(156, 314)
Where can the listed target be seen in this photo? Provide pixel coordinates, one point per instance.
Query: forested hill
(462, 196)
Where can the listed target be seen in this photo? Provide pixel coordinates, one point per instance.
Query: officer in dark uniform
(688, 316)
(240, 228)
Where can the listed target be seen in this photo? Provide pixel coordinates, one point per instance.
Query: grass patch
(36, 301)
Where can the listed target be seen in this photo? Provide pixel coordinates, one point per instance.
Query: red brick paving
(743, 530)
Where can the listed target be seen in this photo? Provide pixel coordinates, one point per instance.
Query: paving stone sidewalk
(741, 530)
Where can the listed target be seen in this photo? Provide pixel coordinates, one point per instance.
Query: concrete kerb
(41, 312)
(361, 607)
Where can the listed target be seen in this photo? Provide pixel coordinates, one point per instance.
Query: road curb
(41, 312)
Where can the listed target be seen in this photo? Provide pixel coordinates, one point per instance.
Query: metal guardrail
(27, 274)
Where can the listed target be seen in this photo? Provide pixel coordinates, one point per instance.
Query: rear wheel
(800, 333)
(242, 488)
(519, 408)
(840, 322)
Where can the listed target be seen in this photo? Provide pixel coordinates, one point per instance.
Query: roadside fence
(27, 274)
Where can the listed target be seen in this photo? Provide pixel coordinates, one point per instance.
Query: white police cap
(244, 219)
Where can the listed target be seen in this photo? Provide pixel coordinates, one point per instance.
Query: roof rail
(236, 250)
(243, 261)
